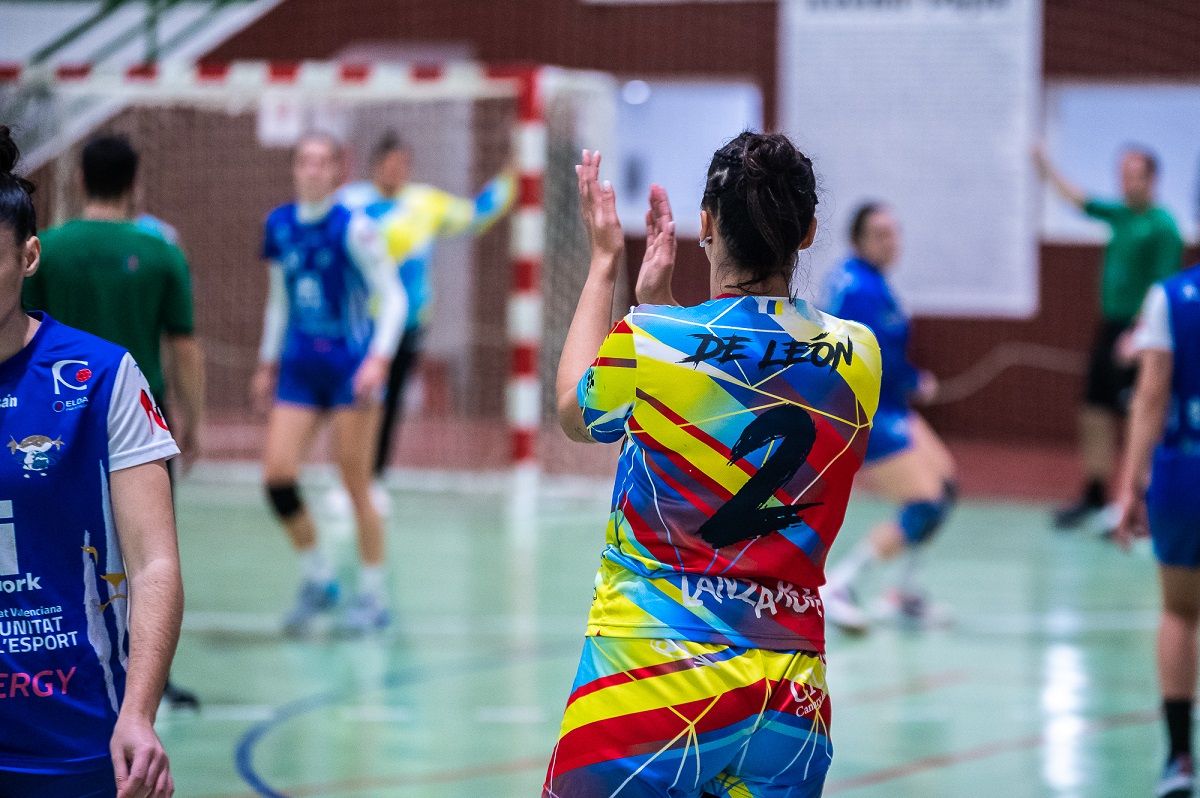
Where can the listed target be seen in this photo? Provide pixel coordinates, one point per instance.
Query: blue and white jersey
(857, 291)
(1170, 321)
(73, 409)
(328, 266)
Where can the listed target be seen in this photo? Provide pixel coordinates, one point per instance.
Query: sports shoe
(1177, 779)
(366, 614)
(913, 610)
(841, 607)
(1071, 516)
(313, 599)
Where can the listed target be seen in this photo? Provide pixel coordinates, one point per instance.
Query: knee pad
(285, 498)
(920, 520)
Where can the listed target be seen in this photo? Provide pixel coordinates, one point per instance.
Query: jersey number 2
(744, 517)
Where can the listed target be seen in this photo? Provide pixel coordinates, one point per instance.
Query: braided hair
(763, 194)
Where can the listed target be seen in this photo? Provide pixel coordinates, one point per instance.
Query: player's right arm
(271, 344)
(1063, 187)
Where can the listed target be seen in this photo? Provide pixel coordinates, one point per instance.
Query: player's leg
(354, 433)
(790, 751)
(401, 370)
(652, 718)
(290, 431)
(1177, 673)
(919, 480)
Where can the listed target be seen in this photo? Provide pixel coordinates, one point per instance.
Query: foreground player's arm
(658, 264)
(185, 361)
(139, 444)
(593, 314)
(1147, 413)
(388, 299)
(1063, 187)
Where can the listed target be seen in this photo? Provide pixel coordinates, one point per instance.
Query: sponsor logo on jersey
(74, 379)
(66, 406)
(36, 453)
(153, 413)
(8, 402)
(26, 582)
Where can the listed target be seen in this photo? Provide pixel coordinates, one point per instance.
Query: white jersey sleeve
(1154, 325)
(137, 432)
(274, 316)
(389, 301)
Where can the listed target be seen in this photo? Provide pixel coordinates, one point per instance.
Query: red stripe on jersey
(616, 362)
(714, 487)
(634, 675)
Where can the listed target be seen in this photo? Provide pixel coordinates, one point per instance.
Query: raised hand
(658, 264)
(598, 204)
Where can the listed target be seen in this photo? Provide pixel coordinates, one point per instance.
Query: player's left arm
(185, 361)
(459, 215)
(390, 302)
(1147, 413)
(139, 445)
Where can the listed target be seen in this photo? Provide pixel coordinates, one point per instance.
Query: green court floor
(1044, 685)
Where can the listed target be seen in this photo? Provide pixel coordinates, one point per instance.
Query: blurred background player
(1145, 247)
(335, 312)
(1163, 453)
(412, 217)
(742, 422)
(108, 275)
(78, 719)
(907, 463)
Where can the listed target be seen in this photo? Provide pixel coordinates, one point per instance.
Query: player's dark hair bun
(16, 203)
(763, 193)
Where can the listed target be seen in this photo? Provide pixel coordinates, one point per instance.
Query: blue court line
(244, 750)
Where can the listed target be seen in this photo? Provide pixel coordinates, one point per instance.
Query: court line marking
(244, 753)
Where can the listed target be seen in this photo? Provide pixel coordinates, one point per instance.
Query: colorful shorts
(1173, 507)
(673, 718)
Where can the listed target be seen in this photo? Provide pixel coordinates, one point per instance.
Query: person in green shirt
(1145, 247)
(114, 277)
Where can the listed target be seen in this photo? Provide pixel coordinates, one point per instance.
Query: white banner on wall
(929, 105)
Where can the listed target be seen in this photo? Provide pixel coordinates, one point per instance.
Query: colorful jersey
(1145, 247)
(1171, 321)
(417, 217)
(744, 421)
(73, 409)
(119, 282)
(858, 291)
(327, 292)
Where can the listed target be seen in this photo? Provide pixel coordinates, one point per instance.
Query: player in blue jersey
(906, 461)
(412, 218)
(333, 320)
(1163, 453)
(92, 597)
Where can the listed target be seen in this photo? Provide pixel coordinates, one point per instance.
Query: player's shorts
(322, 378)
(1109, 383)
(1173, 506)
(650, 718)
(891, 433)
(99, 782)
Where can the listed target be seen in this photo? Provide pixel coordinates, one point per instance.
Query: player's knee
(920, 521)
(285, 499)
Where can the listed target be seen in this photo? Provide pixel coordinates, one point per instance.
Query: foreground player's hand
(927, 388)
(598, 204)
(1134, 521)
(139, 761)
(370, 378)
(261, 387)
(658, 264)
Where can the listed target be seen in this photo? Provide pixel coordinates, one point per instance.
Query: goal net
(215, 158)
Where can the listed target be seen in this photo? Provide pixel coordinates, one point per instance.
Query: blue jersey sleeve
(858, 300)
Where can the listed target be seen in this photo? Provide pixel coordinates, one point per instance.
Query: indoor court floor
(1043, 686)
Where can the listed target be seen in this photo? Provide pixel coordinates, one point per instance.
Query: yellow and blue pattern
(744, 421)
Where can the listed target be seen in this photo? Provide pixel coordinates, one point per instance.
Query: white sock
(371, 581)
(315, 566)
(852, 566)
(909, 568)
